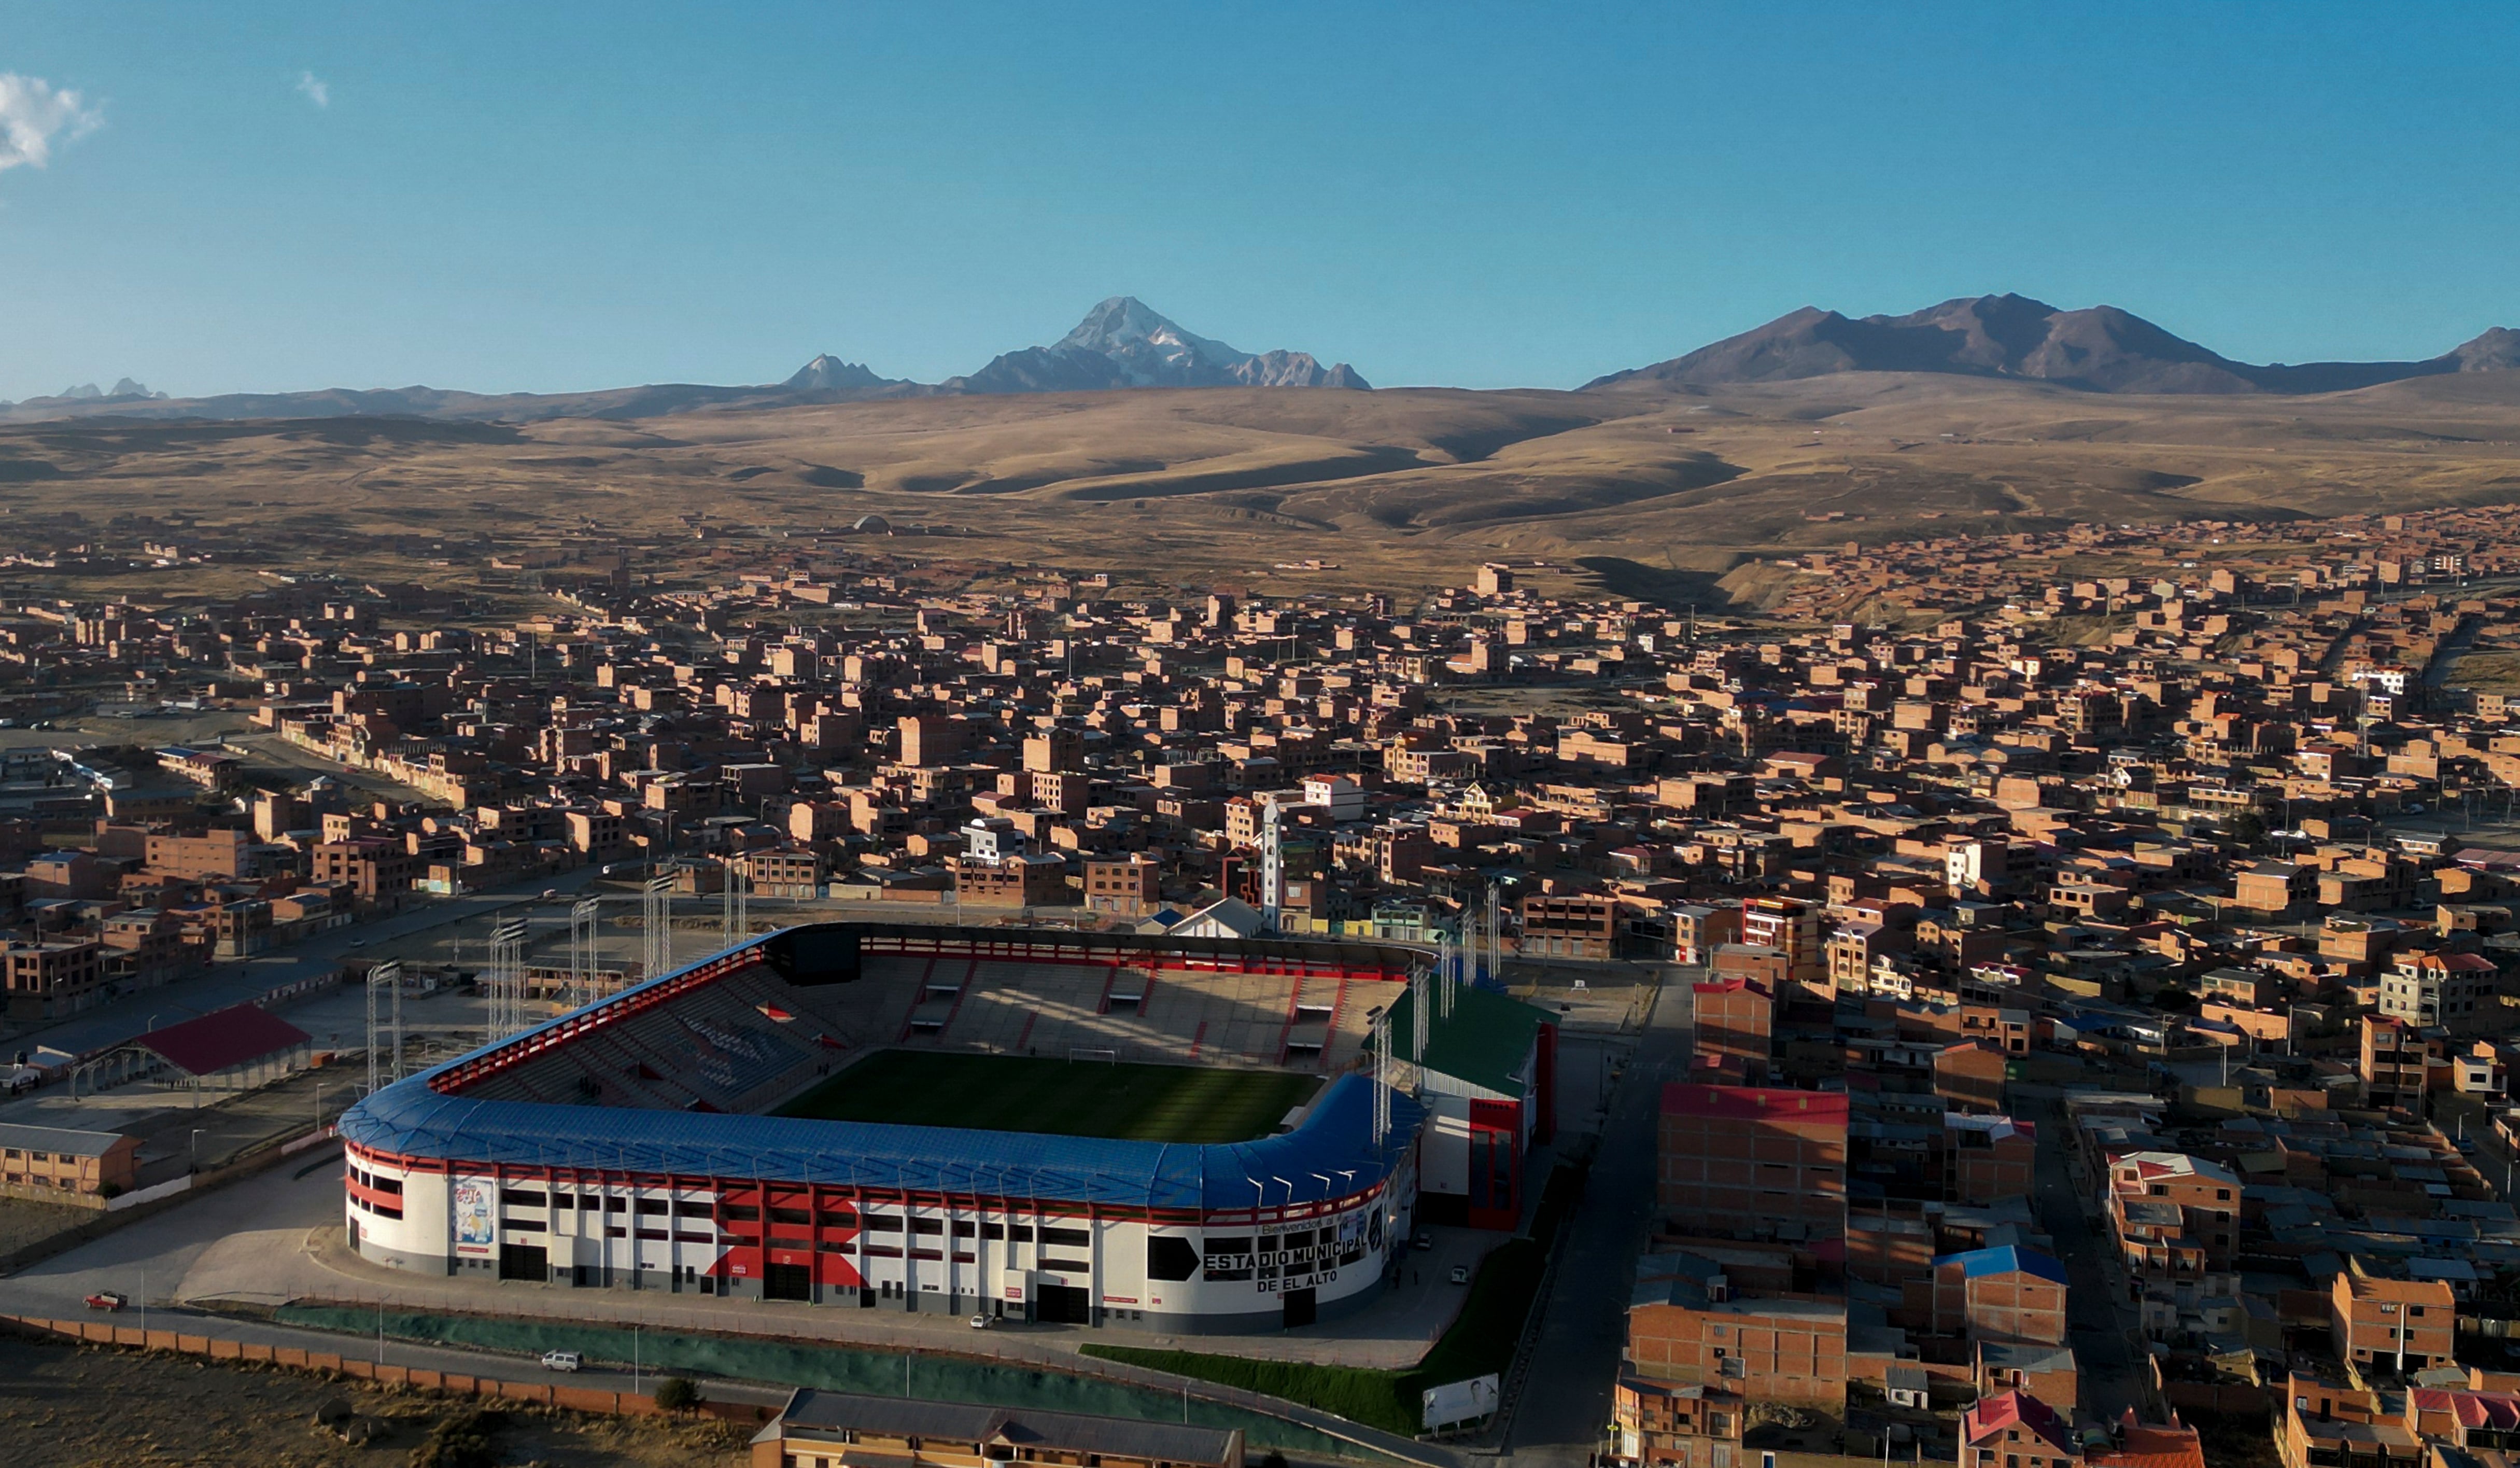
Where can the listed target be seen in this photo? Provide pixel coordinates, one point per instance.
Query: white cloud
(32, 115)
(315, 90)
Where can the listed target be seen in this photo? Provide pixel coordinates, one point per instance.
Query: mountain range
(1124, 343)
(2099, 349)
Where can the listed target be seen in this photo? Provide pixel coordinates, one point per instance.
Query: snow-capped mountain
(828, 374)
(1124, 343)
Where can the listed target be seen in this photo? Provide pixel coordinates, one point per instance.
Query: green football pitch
(1061, 1097)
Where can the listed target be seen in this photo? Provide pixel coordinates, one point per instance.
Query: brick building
(49, 980)
(1754, 1162)
(1570, 925)
(1665, 1425)
(1017, 881)
(2006, 1293)
(1970, 1075)
(1123, 885)
(212, 856)
(1781, 1350)
(2016, 1430)
(2396, 1063)
(376, 871)
(1733, 1021)
(57, 1159)
(2395, 1326)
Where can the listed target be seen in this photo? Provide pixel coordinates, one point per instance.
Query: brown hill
(2101, 349)
(1394, 488)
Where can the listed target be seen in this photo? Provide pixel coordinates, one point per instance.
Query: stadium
(1166, 1134)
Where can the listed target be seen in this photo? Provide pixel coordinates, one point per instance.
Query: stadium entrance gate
(788, 1282)
(1064, 1305)
(524, 1262)
(1298, 1307)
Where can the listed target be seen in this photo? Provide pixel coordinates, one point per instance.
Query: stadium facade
(630, 1143)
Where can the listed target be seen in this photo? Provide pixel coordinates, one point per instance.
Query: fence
(213, 1348)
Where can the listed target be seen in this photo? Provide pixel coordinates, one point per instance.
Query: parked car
(562, 1361)
(107, 1300)
(1460, 1274)
(1423, 1240)
(979, 1322)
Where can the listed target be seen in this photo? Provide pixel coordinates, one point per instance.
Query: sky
(551, 196)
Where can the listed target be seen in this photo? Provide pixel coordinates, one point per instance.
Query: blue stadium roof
(1330, 1154)
(2005, 1259)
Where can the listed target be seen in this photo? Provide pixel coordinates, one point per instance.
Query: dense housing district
(2097, 946)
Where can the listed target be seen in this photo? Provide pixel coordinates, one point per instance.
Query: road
(2101, 1332)
(1583, 1325)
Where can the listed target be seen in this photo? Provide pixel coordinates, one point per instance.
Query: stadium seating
(748, 1041)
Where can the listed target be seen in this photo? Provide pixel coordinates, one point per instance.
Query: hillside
(1403, 484)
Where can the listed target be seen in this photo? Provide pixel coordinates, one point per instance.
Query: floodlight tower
(658, 918)
(583, 961)
(386, 976)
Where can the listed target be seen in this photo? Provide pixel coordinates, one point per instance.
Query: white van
(561, 1360)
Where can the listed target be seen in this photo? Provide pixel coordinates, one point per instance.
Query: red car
(107, 1300)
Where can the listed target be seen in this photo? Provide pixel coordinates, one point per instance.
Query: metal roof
(2005, 1259)
(222, 1039)
(1329, 1155)
(60, 1139)
(1486, 1041)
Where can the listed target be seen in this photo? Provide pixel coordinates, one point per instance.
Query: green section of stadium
(1080, 1097)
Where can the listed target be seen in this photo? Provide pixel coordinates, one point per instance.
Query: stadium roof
(222, 1039)
(1329, 1155)
(1486, 1041)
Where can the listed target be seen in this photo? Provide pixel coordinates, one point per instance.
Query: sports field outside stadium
(1079, 1097)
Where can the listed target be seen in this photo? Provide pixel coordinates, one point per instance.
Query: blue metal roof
(1329, 1155)
(2005, 1259)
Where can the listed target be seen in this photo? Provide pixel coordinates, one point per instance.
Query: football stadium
(1166, 1134)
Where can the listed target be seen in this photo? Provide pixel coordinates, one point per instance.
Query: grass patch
(1482, 1337)
(1097, 1098)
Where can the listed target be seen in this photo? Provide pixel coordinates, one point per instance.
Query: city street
(1565, 1399)
(2103, 1334)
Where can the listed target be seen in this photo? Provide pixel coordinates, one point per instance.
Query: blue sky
(546, 196)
